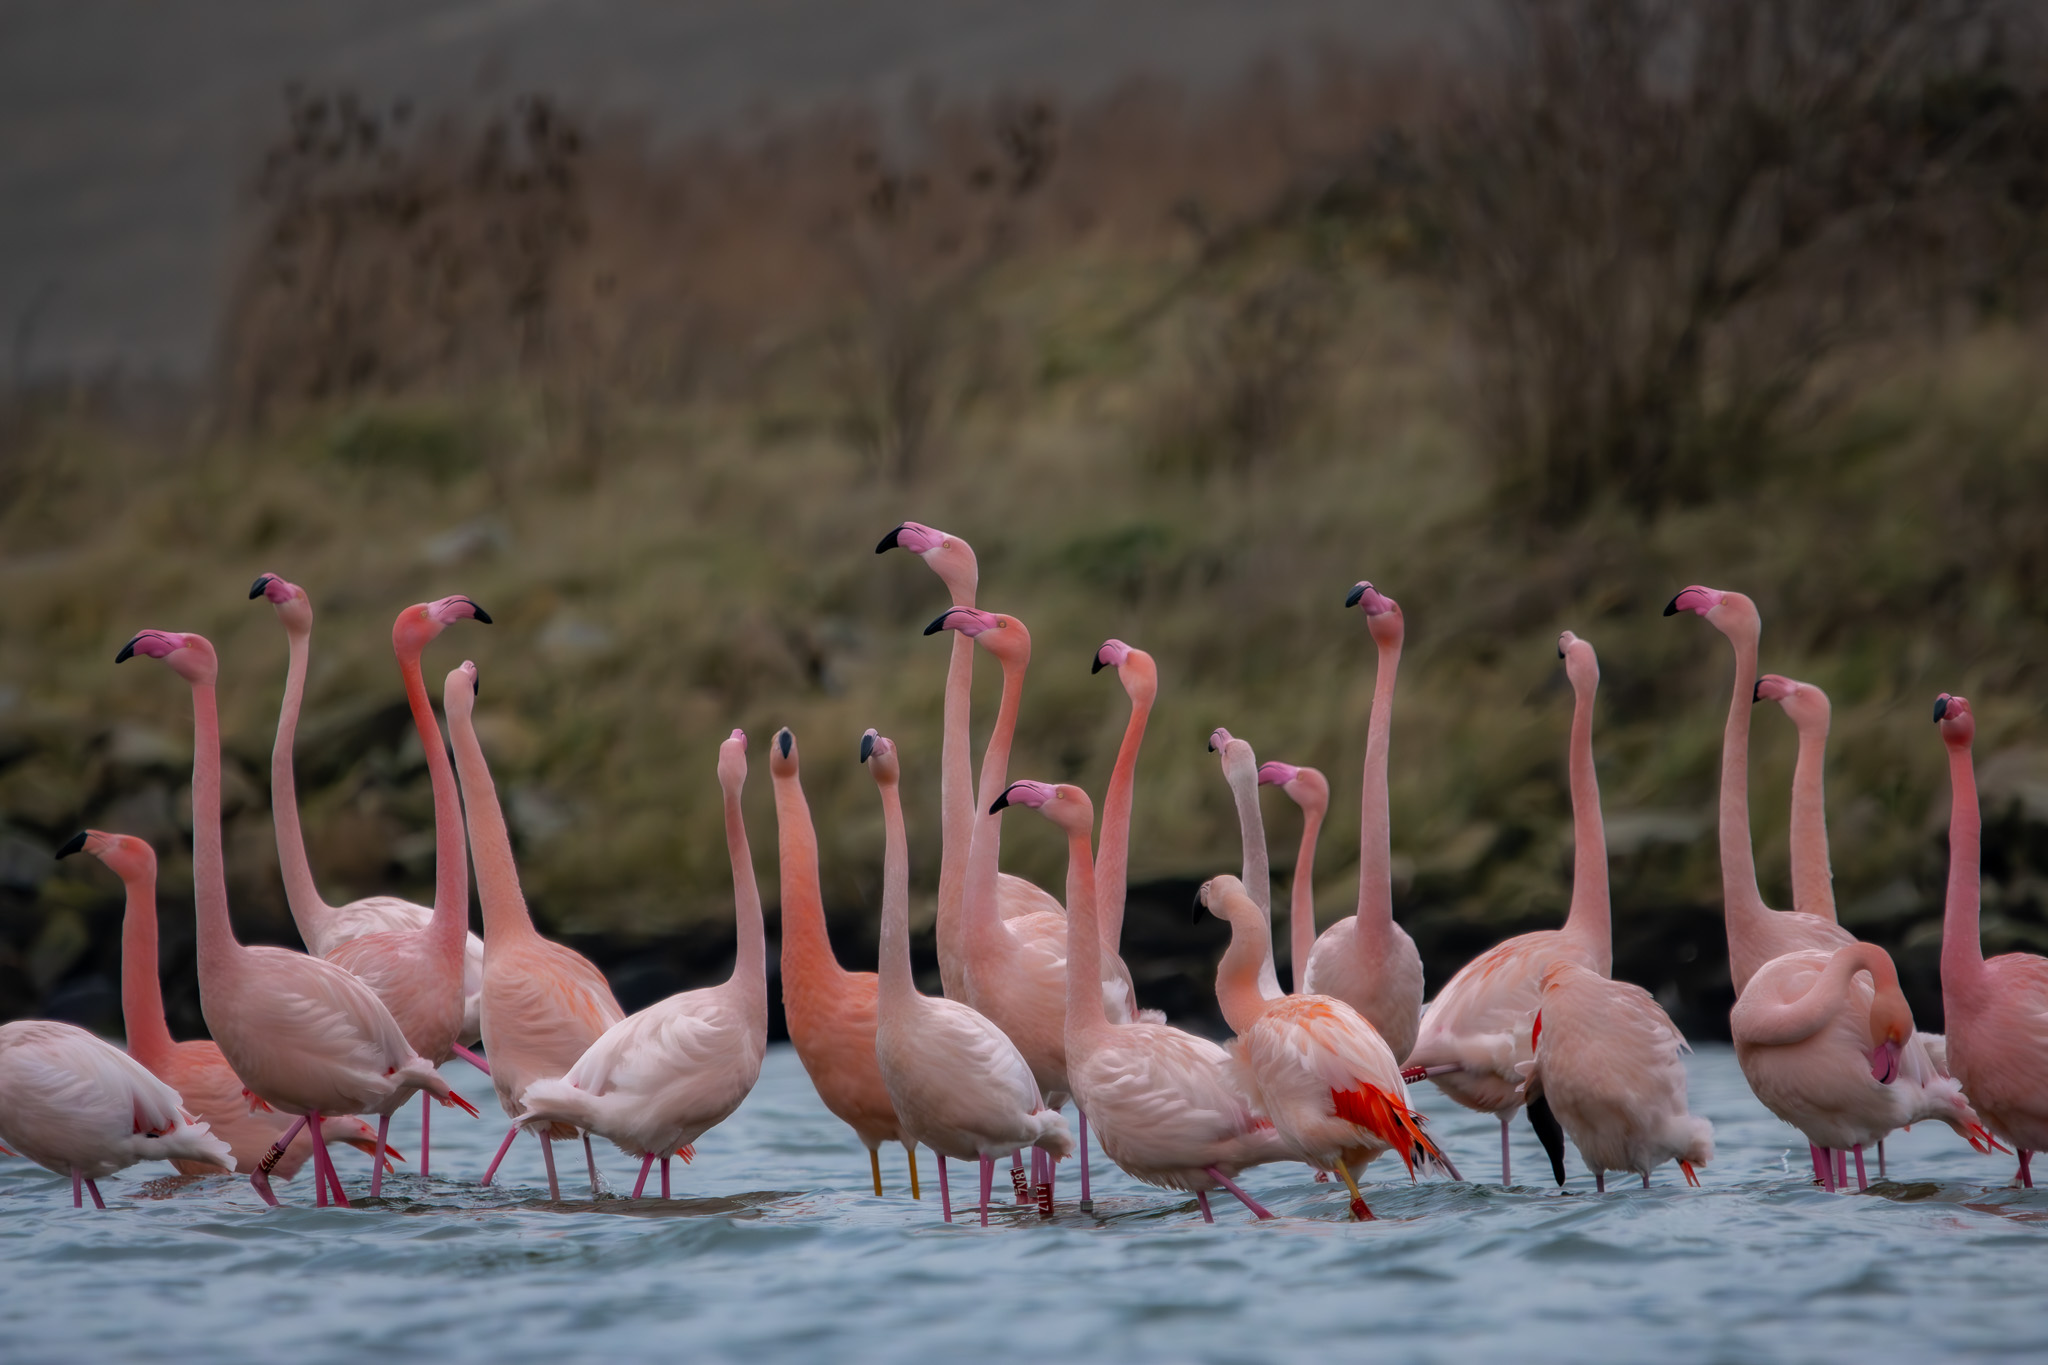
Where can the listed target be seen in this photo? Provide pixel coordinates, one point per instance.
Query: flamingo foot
(1227, 1183)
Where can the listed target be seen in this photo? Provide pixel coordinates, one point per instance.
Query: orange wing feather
(1387, 1119)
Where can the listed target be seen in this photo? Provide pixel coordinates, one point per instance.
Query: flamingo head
(190, 656)
(1382, 613)
(459, 691)
(1063, 803)
(294, 608)
(1806, 704)
(782, 753)
(132, 859)
(1958, 724)
(878, 751)
(1728, 612)
(1306, 787)
(1002, 636)
(950, 557)
(1134, 669)
(732, 761)
(1581, 664)
(421, 622)
(1224, 897)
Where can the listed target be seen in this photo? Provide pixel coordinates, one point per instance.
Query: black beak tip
(939, 623)
(787, 741)
(1195, 910)
(1940, 708)
(888, 542)
(75, 844)
(256, 588)
(1756, 693)
(1001, 802)
(1355, 596)
(1560, 651)
(1212, 746)
(1097, 666)
(476, 685)
(1671, 607)
(481, 614)
(127, 652)
(867, 747)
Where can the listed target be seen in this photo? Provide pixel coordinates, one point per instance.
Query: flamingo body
(1381, 978)
(72, 1102)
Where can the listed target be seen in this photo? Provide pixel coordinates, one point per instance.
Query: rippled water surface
(775, 1248)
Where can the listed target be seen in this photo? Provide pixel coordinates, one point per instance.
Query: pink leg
(2026, 1174)
(77, 1188)
(377, 1157)
(1820, 1166)
(503, 1148)
(1646, 1180)
(473, 1059)
(94, 1191)
(1504, 1151)
(1599, 1177)
(988, 1177)
(1087, 1199)
(1045, 1195)
(646, 1163)
(1841, 1169)
(319, 1183)
(260, 1177)
(1861, 1182)
(547, 1154)
(664, 1177)
(426, 1135)
(1880, 1158)
(1202, 1198)
(945, 1194)
(325, 1161)
(590, 1160)
(1227, 1183)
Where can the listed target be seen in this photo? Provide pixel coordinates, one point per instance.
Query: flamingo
(1476, 1031)
(1996, 1009)
(543, 1004)
(1311, 1064)
(1310, 790)
(305, 1035)
(1166, 1105)
(1014, 970)
(326, 927)
(1756, 933)
(1829, 1055)
(207, 1085)
(1139, 675)
(830, 1011)
(659, 1079)
(1606, 1058)
(1365, 959)
(79, 1106)
(1813, 883)
(952, 559)
(1241, 771)
(956, 1081)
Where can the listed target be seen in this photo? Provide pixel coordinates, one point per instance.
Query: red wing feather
(1391, 1122)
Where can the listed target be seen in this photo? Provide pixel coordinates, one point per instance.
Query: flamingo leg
(503, 1148)
(590, 1160)
(94, 1191)
(1358, 1209)
(547, 1154)
(1045, 1195)
(319, 1183)
(664, 1177)
(646, 1164)
(1646, 1180)
(325, 1160)
(1862, 1183)
(1504, 1151)
(1841, 1169)
(945, 1194)
(1599, 1182)
(1018, 1182)
(1880, 1158)
(1087, 1199)
(910, 1148)
(473, 1059)
(1202, 1198)
(988, 1176)
(260, 1177)
(426, 1134)
(77, 1188)
(875, 1168)
(1820, 1165)
(1227, 1183)
(377, 1157)
(2026, 1175)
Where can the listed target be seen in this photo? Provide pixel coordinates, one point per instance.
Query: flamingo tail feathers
(1388, 1120)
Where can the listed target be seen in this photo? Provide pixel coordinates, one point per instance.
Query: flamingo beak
(256, 588)
(1884, 1063)
(1940, 707)
(889, 541)
(75, 844)
(867, 746)
(785, 740)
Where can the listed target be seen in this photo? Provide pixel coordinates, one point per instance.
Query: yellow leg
(875, 1164)
(1358, 1208)
(911, 1148)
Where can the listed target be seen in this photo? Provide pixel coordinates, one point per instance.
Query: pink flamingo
(306, 1036)
(1311, 1064)
(1365, 959)
(1241, 772)
(1166, 1106)
(79, 1106)
(1756, 933)
(1830, 1055)
(1139, 675)
(1606, 1058)
(326, 927)
(1476, 1031)
(831, 1012)
(1997, 1009)
(199, 1073)
(544, 1004)
(956, 1081)
(1813, 883)
(659, 1079)
(1310, 790)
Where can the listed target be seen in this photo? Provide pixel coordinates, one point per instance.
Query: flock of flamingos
(1038, 1006)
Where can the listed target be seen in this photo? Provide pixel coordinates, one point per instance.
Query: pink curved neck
(1257, 874)
(750, 959)
(1244, 962)
(1112, 865)
(807, 957)
(301, 893)
(1962, 948)
(490, 843)
(219, 953)
(1087, 1019)
(981, 922)
(1794, 1021)
(1743, 902)
(1301, 898)
(956, 791)
(1375, 835)
(1590, 919)
(448, 930)
(1813, 882)
(897, 982)
(142, 998)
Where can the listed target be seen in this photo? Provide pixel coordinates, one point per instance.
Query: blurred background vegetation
(1631, 294)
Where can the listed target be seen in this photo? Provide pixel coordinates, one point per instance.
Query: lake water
(775, 1249)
